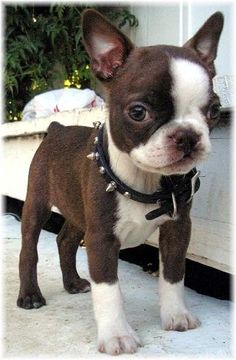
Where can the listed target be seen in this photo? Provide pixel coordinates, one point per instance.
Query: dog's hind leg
(35, 214)
(68, 241)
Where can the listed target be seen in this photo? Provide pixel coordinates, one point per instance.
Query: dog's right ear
(108, 48)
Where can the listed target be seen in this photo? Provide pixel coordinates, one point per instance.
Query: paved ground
(65, 327)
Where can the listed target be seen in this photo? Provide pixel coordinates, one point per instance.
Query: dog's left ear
(108, 48)
(205, 41)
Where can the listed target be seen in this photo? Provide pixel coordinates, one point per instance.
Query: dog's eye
(137, 113)
(214, 111)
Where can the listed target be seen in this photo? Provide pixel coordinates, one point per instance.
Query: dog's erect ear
(107, 47)
(205, 41)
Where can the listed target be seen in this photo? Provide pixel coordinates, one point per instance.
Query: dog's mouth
(178, 164)
(181, 166)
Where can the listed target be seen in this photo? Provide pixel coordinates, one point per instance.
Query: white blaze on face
(190, 93)
(190, 89)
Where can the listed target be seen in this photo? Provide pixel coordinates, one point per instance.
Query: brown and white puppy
(162, 107)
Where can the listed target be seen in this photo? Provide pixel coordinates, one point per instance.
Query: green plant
(44, 50)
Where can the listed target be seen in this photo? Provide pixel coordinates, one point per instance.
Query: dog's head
(161, 99)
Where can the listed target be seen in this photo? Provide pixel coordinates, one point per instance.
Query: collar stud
(111, 186)
(127, 195)
(102, 170)
(93, 156)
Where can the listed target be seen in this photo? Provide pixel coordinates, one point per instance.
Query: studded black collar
(174, 188)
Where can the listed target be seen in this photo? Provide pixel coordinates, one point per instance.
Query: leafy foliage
(44, 49)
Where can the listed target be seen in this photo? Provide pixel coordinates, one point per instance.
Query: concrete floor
(66, 327)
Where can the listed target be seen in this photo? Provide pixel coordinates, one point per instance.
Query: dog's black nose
(186, 140)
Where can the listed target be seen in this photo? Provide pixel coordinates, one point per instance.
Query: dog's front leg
(115, 335)
(173, 244)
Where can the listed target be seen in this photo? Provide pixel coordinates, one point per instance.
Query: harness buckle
(174, 213)
(193, 183)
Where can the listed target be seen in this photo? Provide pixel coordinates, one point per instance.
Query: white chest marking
(132, 228)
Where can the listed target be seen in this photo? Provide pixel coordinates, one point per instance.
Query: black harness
(175, 189)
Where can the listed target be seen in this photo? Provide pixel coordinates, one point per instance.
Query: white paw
(115, 335)
(178, 320)
(116, 345)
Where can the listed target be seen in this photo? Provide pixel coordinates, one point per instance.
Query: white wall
(152, 20)
(173, 24)
(198, 14)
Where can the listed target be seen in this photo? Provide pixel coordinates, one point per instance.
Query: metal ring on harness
(193, 183)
